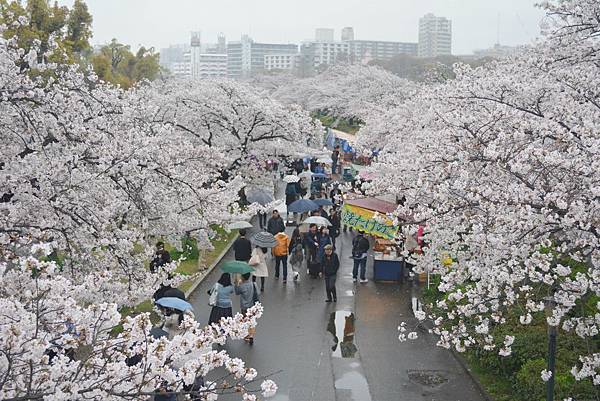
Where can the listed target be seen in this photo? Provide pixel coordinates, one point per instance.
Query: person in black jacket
(331, 265)
(242, 247)
(360, 246)
(275, 224)
(161, 257)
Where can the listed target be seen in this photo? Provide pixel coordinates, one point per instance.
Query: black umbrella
(174, 293)
(302, 206)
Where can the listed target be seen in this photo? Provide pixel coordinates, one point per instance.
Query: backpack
(255, 294)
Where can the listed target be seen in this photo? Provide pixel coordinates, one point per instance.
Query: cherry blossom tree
(52, 347)
(501, 167)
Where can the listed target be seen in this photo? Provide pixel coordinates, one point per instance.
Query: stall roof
(351, 139)
(375, 204)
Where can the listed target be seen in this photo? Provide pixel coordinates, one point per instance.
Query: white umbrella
(318, 220)
(326, 160)
(291, 178)
(238, 225)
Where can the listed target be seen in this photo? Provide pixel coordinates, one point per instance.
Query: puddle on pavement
(341, 326)
(428, 378)
(350, 293)
(356, 384)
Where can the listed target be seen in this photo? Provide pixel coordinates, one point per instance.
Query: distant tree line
(70, 30)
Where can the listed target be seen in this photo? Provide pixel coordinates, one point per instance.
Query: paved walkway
(345, 351)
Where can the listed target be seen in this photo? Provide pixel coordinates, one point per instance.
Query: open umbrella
(306, 174)
(264, 240)
(326, 160)
(319, 175)
(175, 303)
(291, 178)
(236, 266)
(302, 206)
(174, 293)
(262, 197)
(237, 225)
(323, 202)
(318, 220)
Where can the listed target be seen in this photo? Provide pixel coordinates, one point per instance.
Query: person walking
(336, 221)
(360, 246)
(331, 265)
(258, 261)
(312, 241)
(242, 247)
(335, 157)
(324, 240)
(222, 306)
(291, 194)
(296, 253)
(280, 252)
(275, 224)
(246, 290)
(262, 219)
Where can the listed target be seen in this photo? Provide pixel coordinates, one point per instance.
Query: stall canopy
(369, 215)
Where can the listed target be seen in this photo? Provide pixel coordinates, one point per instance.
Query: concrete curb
(459, 358)
(210, 268)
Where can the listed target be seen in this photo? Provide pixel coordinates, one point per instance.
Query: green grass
(343, 124)
(498, 387)
(188, 267)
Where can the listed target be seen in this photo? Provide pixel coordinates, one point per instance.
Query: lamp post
(550, 303)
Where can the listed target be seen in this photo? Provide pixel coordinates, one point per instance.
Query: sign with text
(363, 220)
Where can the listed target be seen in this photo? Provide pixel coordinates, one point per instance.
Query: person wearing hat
(331, 265)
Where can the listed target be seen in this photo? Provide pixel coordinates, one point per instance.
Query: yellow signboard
(363, 220)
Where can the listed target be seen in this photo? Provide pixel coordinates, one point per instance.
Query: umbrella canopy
(319, 175)
(175, 303)
(157, 332)
(174, 293)
(323, 202)
(318, 220)
(302, 206)
(291, 178)
(259, 196)
(236, 266)
(326, 160)
(237, 225)
(305, 174)
(264, 240)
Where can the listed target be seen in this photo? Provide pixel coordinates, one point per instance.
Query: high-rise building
(221, 43)
(435, 36)
(286, 62)
(246, 57)
(347, 34)
(195, 51)
(324, 35)
(173, 54)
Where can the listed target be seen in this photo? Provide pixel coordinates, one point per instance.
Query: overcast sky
(159, 23)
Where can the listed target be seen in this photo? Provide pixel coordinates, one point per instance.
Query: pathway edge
(210, 268)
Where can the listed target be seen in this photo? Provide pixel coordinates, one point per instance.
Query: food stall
(370, 216)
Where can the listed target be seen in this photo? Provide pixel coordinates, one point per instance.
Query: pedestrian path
(341, 351)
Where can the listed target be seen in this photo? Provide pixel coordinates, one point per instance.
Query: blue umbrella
(302, 206)
(175, 303)
(323, 202)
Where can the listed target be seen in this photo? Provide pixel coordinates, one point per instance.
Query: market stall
(370, 215)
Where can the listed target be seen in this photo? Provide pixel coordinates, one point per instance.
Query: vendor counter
(387, 267)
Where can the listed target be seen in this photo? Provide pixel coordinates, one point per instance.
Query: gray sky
(159, 23)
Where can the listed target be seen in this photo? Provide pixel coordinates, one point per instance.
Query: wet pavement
(344, 351)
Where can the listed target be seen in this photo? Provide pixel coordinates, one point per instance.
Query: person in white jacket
(259, 262)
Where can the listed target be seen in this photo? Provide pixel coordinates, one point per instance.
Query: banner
(362, 220)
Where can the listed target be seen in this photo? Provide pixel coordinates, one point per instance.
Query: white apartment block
(435, 36)
(281, 61)
(210, 66)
